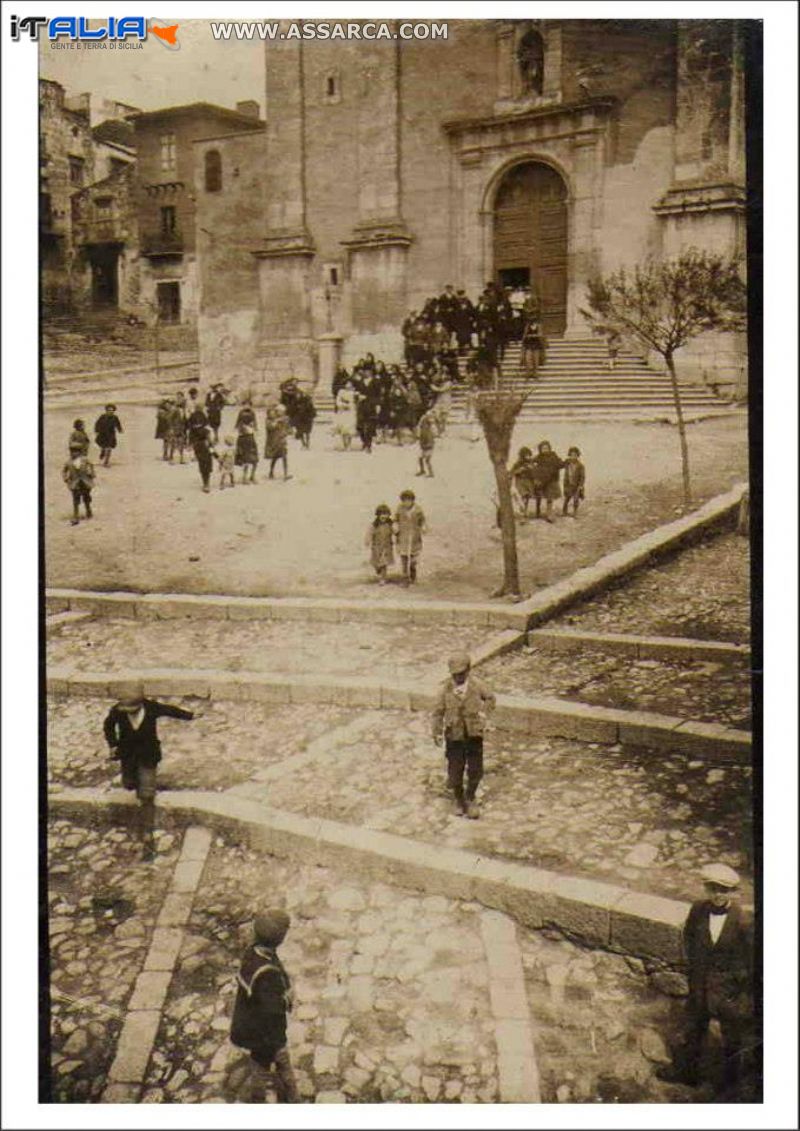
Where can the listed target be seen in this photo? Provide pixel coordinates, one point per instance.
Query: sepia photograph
(428, 771)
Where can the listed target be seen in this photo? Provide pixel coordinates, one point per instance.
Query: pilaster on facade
(379, 234)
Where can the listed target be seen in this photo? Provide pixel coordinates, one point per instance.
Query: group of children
(78, 472)
(537, 477)
(403, 530)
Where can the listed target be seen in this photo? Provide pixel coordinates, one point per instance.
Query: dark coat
(215, 402)
(105, 430)
(139, 747)
(720, 974)
(462, 716)
(262, 1001)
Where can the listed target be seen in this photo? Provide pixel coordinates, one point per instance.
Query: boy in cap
(459, 719)
(132, 737)
(718, 943)
(78, 474)
(263, 998)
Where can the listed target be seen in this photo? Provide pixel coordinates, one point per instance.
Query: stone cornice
(598, 106)
(376, 234)
(709, 197)
(284, 243)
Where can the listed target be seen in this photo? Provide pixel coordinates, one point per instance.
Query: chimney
(249, 108)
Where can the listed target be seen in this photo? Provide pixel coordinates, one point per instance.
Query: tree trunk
(497, 411)
(687, 486)
(508, 529)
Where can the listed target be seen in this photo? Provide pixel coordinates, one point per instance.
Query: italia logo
(78, 28)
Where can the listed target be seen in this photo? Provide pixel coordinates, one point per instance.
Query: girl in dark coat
(105, 433)
(246, 455)
(546, 470)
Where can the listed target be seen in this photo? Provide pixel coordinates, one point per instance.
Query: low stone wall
(596, 914)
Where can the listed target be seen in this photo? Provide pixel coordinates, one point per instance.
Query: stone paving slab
(391, 990)
(580, 907)
(390, 652)
(103, 903)
(534, 715)
(702, 593)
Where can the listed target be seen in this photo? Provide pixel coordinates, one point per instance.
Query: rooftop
(196, 109)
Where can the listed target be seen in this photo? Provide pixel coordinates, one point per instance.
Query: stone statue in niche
(530, 61)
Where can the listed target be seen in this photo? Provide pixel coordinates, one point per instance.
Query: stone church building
(537, 151)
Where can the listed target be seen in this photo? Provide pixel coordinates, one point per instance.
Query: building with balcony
(165, 199)
(531, 151)
(83, 143)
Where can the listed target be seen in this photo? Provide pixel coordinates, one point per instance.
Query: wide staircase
(575, 381)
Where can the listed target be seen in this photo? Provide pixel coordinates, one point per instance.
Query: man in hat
(459, 719)
(718, 943)
(130, 731)
(263, 999)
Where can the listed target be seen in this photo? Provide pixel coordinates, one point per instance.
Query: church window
(331, 90)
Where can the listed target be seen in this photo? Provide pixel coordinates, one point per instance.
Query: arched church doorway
(530, 238)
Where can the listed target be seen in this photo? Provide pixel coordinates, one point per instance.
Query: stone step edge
(533, 715)
(595, 913)
(638, 647)
(523, 614)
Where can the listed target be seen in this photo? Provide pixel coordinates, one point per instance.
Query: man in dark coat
(263, 999)
(131, 733)
(718, 942)
(200, 438)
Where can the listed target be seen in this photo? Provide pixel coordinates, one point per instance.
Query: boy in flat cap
(263, 998)
(718, 943)
(132, 737)
(459, 719)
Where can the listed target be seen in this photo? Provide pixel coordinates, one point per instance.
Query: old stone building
(535, 151)
(82, 141)
(165, 199)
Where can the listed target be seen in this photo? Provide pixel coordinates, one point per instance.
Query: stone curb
(638, 647)
(55, 621)
(535, 715)
(520, 616)
(135, 1044)
(597, 914)
(641, 551)
(517, 1070)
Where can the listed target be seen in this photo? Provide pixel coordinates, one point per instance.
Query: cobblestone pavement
(694, 689)
(389, 651)
(155, 531)
(103, 902)
(391, 990)
(639, 818)
(227, 745)
(702, 593)
(603, 1024)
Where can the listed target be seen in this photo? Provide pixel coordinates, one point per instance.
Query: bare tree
(665, 305)
(497, 411)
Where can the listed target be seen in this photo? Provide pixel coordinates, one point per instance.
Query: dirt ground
(154, 530)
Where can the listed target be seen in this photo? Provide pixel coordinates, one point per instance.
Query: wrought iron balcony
(162, 242)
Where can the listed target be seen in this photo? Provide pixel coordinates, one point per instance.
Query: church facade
(536, 152)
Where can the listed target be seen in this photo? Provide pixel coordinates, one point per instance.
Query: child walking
(79, 437)
(246, 455)
(278, 429)
(409, 526)
(78, 474)
(106, 428)
(380, 540)
(426, 434)
(227, 459)
(574, 481)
